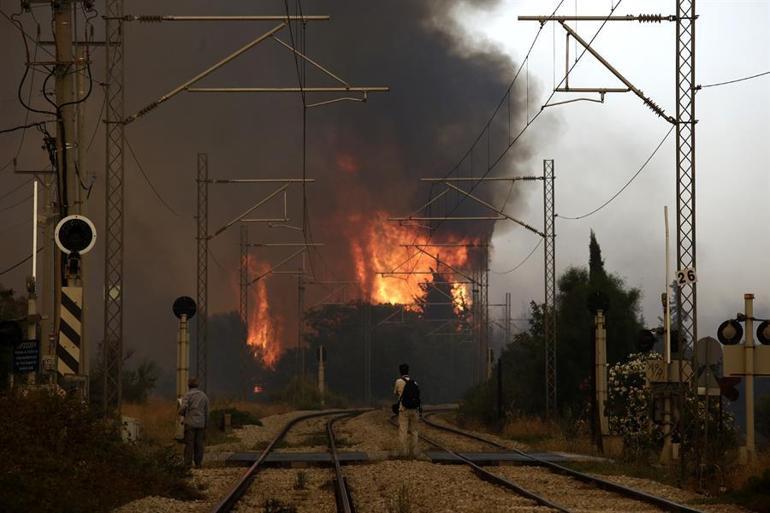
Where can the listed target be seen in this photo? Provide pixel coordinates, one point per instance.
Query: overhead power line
(17, 264)
(655, 151)
(516, 267)
(147, 179)
(734, 81)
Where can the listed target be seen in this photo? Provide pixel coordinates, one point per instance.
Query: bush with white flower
(629, 404)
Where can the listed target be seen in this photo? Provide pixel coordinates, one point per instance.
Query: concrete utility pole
(600, 359)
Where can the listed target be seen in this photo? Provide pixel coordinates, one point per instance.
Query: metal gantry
(684, 121)
(202, 288)
(549, 308)
(112, 345)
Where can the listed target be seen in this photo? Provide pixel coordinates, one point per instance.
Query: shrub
(56, 455)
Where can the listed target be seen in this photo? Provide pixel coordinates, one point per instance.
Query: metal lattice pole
(685, 164)
(244, 279)
(112, 349)
(202, 238)
(549, 311)
(243, 306)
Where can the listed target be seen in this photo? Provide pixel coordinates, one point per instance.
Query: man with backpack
(409, 408)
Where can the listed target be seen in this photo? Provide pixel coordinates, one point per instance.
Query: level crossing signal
(730, 332)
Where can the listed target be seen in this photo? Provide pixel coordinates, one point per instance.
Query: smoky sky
(366, 157)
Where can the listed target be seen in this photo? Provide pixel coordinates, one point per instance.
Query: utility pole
(549, 265)
(202, 287)
(243, 304)
(112, 345)
(684, 121)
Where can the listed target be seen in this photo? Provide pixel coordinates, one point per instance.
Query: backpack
(410, 397)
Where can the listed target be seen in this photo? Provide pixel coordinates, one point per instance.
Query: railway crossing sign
(708, 357)
(68, 348)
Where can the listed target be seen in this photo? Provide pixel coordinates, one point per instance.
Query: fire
(381, 246)
(258, 389)
(264, 334)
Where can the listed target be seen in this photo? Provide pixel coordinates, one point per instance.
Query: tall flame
(264, 333)
(392, 260)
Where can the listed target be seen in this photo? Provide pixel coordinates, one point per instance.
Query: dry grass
(542, 435)
(738, 476)
(158, 416)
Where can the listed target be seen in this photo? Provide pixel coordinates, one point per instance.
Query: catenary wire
(147, 179)
(17, 264)
(524, 261)
(633, 177)
(20, 202)
(734, 81)
(15, 189)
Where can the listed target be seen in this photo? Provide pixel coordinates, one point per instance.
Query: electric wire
(530, 121)
(15, 189)
(625, 186)
(20, 202)
(734, 81)
(17, 264)
(524, 261)
(147, 179)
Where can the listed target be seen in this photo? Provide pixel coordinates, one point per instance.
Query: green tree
(523, 360)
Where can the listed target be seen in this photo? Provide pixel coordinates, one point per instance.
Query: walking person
(195, 410)
(409, 408)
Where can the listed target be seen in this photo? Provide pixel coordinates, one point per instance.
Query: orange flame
(383, 252)
(264, 334)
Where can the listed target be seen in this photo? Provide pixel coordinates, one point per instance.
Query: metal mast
(202, 218)
(112, 349)
(685, 166)
(549, 309)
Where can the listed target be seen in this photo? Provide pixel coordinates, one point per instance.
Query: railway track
(624, 491)
(343, 497)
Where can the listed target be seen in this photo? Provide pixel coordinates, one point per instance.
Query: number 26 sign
(686, 276)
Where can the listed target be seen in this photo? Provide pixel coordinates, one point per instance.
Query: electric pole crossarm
(158, 19)
(249, 210)
(482, 179)
(641, 18)
(436, 258)
(648, 101)
(260, 180)
(495, 209)
(341, 89)
(311, 61)
(274, 269)
(456, 218)
(205, 73)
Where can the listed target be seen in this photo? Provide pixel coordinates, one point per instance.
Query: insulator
(150, 19)
(650, 18)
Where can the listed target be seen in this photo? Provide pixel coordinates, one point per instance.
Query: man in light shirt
(409, 407)
(195, 409)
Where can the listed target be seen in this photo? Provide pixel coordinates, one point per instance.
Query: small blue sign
(26, 356)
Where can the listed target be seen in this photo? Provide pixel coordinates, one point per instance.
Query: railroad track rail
(344, 500)
(625, 491)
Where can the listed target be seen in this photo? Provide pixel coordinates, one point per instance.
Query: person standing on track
(409, 408)
(195, 409)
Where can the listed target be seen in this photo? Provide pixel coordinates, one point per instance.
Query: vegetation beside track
(56, 455)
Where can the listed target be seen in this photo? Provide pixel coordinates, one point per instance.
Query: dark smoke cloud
(366, 157)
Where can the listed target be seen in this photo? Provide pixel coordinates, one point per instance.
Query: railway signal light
(730, 332)
(763, 333)
(646, 341)
(728, 387)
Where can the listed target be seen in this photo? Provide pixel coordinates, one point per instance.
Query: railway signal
(184, 309)
(745, 360)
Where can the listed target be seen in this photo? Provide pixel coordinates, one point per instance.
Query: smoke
(369, 158)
